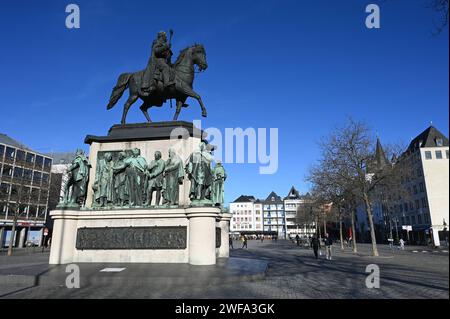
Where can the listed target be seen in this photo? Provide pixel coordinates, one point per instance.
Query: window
(20, 156)
(408, 220)
(419, 172)
(7, 171)
(422, 189)
(428, 155)
(419, 219)
(411, 206)
(37, 178)
(18, 172)
(4, 189)
(446, 154)
(2, 150)
(415, 189)
(413, 219)
(405, 206)
(439, 142)
(417, 204)
(47, 163)
(30, 158)
(439, 154)
(10, 152)
(424, 202)
(426, 218)
(39, 162)
(45, 178)
(27, 175)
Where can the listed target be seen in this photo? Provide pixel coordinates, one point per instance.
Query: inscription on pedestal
(163, 237)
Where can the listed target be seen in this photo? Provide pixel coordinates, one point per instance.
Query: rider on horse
(159, 61)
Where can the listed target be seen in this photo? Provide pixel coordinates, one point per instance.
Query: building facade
(243, 215)
(294, 225)
(24, 192)
(274, 215)
(427, 211)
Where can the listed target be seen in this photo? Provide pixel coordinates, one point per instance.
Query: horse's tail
(122, 84)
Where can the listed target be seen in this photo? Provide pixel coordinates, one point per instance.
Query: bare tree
(348, 165)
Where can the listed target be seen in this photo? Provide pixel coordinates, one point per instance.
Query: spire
(380, 156)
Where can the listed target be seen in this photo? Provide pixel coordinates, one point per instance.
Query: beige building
(427, 211)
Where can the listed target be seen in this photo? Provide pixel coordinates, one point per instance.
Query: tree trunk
(371, 225)
(324, 225)
(355, 249)
(340, 232)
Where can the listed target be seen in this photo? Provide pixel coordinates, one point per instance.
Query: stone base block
(194, 235)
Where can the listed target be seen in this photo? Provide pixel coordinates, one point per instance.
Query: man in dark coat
(315, 244)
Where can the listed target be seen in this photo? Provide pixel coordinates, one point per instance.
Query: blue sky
(299, 66)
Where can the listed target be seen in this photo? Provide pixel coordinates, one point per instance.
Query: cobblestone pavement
(293, 273)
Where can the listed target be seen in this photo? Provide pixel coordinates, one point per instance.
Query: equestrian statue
(161, 80)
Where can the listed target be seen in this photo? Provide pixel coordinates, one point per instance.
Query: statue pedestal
(191, 235)
(194, 233)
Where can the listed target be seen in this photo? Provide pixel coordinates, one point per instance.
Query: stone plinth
(176, 235)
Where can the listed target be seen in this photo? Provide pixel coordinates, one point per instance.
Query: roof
(5, 139)
(277, 199)
(244, 199)
(293, 194)
(428, 138)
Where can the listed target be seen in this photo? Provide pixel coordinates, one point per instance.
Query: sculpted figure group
(131, 181)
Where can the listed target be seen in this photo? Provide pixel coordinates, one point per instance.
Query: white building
(243, 212)
(428, 210)
(292, 202)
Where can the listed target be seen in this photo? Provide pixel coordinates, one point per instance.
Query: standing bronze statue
(154, 176)
(161, 81)
(173, 178)
(199, 173)
(103, 184)
(75, 189)
(121, 184)
(219, 177)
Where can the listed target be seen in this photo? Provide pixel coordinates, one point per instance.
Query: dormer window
(439, 142)
(272, 199)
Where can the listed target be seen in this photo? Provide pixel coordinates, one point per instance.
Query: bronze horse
(183, 70)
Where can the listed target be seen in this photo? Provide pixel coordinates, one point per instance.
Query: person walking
(328, 244)
(297, 238)
(244, 242)
(315, 244)
(230, 241)
(402, 244)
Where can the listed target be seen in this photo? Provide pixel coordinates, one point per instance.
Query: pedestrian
(244, 241)
(231, 242)
(297, 238)
(402, 244)
(262, 238)
(315, 244)
(328, 244)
